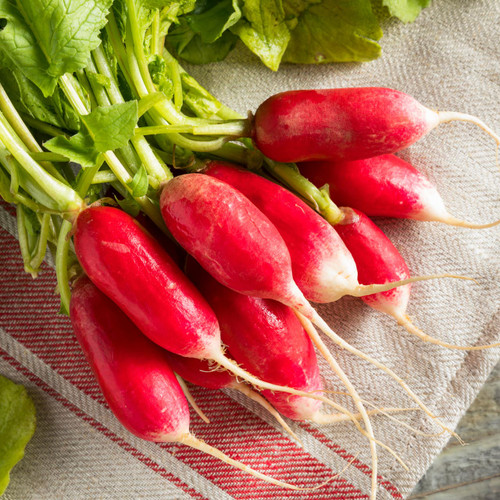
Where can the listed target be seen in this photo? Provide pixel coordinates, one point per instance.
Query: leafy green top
(46, 39)
(17, 425)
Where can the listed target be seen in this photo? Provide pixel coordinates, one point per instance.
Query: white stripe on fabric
(106, 418)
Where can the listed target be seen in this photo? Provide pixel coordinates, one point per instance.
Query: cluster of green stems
(41, 183)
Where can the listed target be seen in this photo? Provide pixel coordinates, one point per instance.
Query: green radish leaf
(264, 30)
(28, 99)
(198, 99)
(188, 45)
(214, 18)
(406, 10)
(129, 205)
(47, 38)
(333, 31)
(159, 71)
(111, 127)
(79, 148)
(99, 79)
(105, 129)
(17, 425)
(139, 183)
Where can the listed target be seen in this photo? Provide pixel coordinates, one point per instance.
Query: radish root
(448, 116)
(453, 221)
(191, 399)
(406, 322)
(362, 290)
(193, 442)
(254, 396)
(309, 312)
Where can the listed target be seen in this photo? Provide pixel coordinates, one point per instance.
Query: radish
(384, 186)
(344, 124)
(378, 260)
(262, 329)
(202, 373)
(322, 266)
(237, 244)
(134, 375)
(132, 269)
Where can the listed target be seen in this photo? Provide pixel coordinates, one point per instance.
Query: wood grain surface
(469, 472)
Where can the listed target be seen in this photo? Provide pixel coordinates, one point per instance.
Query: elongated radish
(377, 260)
(344, 124)
(385, 186)
(257, 329)
(267, 339)
(237, 244)
(134, 375)
(202, 373)
(132, 269)
(322, 266)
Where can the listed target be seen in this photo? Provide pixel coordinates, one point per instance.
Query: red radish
(202, 373)
(237, 244)
(378, 260)
(267, 339)
(384, 186)
(322, 266)
(127, 264)
(134, 375)
(257, 329)
(344, 124)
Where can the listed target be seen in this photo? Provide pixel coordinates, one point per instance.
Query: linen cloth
(448, 59)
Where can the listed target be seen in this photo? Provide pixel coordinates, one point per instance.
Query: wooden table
(469, 472)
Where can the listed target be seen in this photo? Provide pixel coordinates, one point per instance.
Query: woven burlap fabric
(449, 60)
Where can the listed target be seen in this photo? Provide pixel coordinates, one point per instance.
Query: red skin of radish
(267, 339)
(133, 372)
(384, 186)
(322, 266)
(134, 271)
(339, 124)
(378, 261)
(230, 237)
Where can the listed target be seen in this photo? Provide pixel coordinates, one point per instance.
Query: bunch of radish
(258, 254)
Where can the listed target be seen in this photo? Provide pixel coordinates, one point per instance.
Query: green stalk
(63, 244)
(22, 131)
(104, 177)
(42, 127)
(65, 197)
(318, 199)
(24, 240)
(37, 259)
(154, 166)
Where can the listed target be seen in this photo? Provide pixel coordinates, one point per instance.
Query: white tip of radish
(362, 290)
(453, 221)
(406, 322)
(193, 442)
(448, 116)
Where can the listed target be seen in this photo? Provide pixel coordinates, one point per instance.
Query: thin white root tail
(313, 316)
(316, 339)
(193, 442)
(362, 290)
(236, 370)
(453, 221)
(448, 116)
(191, 399)
(254, 396)
(405, 321)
